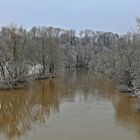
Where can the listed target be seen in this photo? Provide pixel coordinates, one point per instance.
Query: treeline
(44, 51)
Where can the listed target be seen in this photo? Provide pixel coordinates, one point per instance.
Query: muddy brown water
(76, 106)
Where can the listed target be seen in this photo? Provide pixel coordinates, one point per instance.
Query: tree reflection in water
(21, 109)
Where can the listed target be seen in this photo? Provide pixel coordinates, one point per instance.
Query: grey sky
(108, 15)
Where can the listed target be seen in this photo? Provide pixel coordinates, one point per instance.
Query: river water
(76, 106)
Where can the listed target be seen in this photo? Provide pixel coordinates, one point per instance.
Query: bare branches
(45, 51)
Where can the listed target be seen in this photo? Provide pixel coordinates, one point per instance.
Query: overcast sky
(108, 15)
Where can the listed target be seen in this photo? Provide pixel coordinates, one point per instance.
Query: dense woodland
(43, 52)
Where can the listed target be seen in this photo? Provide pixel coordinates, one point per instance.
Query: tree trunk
(43, 57)
(2, 70)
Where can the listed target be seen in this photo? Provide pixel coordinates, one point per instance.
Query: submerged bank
(24, 82)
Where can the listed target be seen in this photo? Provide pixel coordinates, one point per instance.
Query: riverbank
(8, 84)
(23, 82)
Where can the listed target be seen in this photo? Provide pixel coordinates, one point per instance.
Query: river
(78, 105)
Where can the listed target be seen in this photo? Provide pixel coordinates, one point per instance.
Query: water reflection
(20, 110)
(128, 113)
